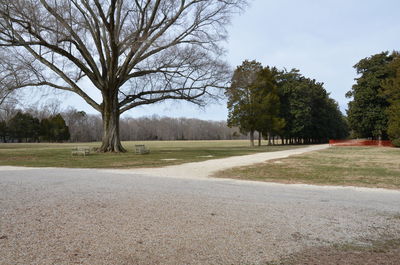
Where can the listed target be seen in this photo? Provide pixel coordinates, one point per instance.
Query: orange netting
(360, 143)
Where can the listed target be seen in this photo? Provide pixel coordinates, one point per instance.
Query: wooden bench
(141, 149)
(80, 150)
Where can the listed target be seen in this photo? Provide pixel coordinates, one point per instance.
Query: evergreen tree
(60, 130)
(287, 83)
(337, 127)
(24, 127)
(54, 129)
(310, 115)
(283, 103)
(268, 103)
(391, 90)
(45, 130)
(3, 131)
(242, 98)
(367, 111)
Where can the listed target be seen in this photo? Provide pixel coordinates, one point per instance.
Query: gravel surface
(84, 216)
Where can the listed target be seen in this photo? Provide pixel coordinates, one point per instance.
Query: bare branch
(134, 52)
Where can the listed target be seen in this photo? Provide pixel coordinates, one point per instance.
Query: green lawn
(59, 155)
(354, 166)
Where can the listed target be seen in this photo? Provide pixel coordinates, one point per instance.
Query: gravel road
(207, 168)
(84, 216)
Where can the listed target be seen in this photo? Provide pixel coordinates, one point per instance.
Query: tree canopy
(366, 112)
(374, 111)
(24, 127)
(54, 129)
(391, 90)
(309, 113)
(244, 98)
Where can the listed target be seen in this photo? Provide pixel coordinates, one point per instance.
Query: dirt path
(206, 168)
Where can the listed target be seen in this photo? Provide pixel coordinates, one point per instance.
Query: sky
(323, 39)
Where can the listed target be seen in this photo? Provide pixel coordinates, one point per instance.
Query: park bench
(80, 150)
(141, 149)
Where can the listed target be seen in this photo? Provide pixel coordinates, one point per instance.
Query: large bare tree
(134, 52)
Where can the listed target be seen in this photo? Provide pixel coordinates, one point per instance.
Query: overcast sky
(322, 38)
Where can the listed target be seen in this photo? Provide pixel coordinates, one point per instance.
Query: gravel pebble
(86, 216)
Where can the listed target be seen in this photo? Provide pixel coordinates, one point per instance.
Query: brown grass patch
(350, 166)
(371, 253)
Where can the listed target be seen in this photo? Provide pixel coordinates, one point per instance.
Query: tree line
(23, 127)
(284, 104)
(374, 111)
(49, 124)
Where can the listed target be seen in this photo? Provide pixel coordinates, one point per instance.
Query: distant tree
(242, 98)
(394, 123)
(283, 103)
(83, 127)
(45, 130)
(287, 82)
(47, 109)
(60, 130)
(391, 90)
(310, 115)
(367, 111)
(24, 127)
(337, 126)
(267, 104)
(3, 131)
(296, 105)
(54, 129)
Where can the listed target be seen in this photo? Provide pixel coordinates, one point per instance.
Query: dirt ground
(382, 253)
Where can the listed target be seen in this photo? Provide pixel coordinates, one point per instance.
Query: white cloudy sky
(322, 38)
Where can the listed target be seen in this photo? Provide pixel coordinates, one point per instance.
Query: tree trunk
(110, 113)
(252, 138)
(259, 138)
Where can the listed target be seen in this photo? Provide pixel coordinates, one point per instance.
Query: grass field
(350, 166)
(162, 153)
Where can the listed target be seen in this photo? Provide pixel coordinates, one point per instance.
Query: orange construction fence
(360, 143)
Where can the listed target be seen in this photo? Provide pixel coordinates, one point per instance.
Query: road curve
(207, 168)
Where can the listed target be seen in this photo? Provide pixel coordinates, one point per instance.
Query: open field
(162, 153)
(348, 166)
